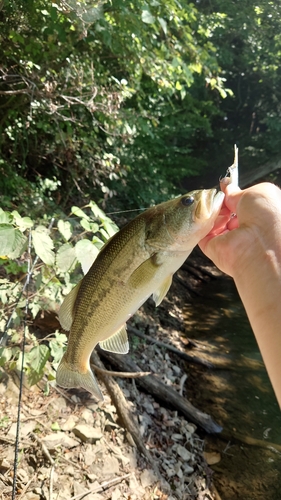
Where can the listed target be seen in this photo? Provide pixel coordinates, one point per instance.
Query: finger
(221, 223)
(233, 223)
(233, 195)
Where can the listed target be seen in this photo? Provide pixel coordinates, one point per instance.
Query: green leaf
(107, 223)
(5, 355)
(110, 227)
(57, 347)
(98, 213)
(86, 224)
(79, 213)
(97, 242)
(65, 229)
(55, 426)
(86, 253)
(22, 222)
(66, 258)
(43, 245)
(12, 241)
(34, 307)
(93, 227)
(5, 217)
(163, 24)
(147, 17)
(36, 359)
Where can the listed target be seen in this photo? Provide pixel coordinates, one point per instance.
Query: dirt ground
(72, 447)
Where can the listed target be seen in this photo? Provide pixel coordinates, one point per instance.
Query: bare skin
(247, 247)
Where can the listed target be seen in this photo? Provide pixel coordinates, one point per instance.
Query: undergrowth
(40, 262)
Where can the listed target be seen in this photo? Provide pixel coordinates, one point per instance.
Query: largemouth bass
(136, 262)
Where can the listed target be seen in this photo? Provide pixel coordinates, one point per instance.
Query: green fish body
(136, 262)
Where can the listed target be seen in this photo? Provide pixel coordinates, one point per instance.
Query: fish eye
(187, 201)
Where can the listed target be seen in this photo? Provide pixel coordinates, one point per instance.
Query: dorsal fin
(66, 312)
(117, 342)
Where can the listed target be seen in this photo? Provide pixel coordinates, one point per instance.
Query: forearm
(259, 286)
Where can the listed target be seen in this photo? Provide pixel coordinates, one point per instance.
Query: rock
(212, 457)
(69, 470)
(9, 388)
(32, 496)
(27, 427)
(59, 404)
(55, 439)
(188, 469)
(132, 456)
(93, 405)
(87, 434)
(70, 423)
(183, 452)
(89, 456)
(88, 416)
(75, 399)
(116, 494)
(93, 479)
(135, 486)
(148, 478)
(110, 466)
(11, 434)
(4, 465)
(177, 437)
(190, 428)
(79, 489)
(176, 369)
(178, 470)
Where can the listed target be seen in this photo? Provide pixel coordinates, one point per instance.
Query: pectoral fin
(162, 291)
(117, 343)
(145, 272)
(66, 312)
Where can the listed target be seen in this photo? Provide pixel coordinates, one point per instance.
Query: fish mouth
(209, 204)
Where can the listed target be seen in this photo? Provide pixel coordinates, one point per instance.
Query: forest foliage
(97, 97)
(117, 102)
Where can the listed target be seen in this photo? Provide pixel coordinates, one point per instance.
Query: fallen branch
(215, 492)
(25, 488)
(251, 441)
(161, 391)
(102, 487)
(125, 413)
(180, 354)
(120, 374)
(51, 460)
(44, 448)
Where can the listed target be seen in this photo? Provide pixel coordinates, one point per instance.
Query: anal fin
(117, 343)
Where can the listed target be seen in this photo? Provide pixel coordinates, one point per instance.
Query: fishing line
(126, 211)
(26, 287)
(3, 341)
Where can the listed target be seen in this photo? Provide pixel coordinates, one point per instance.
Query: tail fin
(70, 379)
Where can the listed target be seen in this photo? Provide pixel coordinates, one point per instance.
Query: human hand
(249, 236)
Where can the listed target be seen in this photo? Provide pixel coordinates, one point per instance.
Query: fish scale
(137, 262)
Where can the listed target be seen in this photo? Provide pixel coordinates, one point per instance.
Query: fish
(137, 262)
